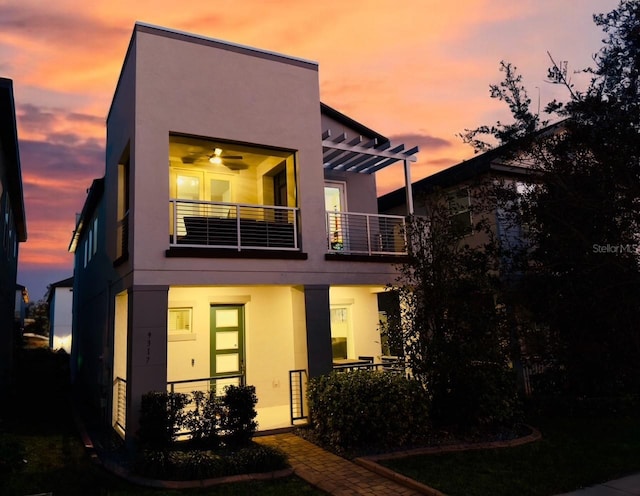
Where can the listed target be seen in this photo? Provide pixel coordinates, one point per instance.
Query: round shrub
(367, 409)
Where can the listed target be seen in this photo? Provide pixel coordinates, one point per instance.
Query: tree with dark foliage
(581, 271)
(453, 326)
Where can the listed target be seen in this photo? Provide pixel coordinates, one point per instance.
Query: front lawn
(575, 451)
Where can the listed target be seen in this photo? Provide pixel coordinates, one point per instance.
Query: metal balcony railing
(217, 383)
(365, 234)
(120, 400)
(297, 395)
(233, 225)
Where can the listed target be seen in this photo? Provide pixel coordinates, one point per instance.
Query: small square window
(180, 324)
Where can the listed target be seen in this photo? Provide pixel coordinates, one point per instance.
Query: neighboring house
(235, 237)
(464, 186)
(60, 300)
(13, 227)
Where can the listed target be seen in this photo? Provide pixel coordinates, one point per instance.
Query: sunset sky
(417, 71)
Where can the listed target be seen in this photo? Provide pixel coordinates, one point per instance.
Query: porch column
(407, 185)
(318, 323)
(146, 350)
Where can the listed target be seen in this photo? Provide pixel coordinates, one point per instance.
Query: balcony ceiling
(360, 155)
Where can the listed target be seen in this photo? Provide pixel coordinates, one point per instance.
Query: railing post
(295, 228)
(368, 233)
(238, 234)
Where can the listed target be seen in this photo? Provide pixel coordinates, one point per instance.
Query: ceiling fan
(218, 158)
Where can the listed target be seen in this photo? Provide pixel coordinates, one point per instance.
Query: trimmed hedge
(367, 409)
(206, 464)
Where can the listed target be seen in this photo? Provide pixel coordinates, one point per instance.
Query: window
(334, 203)
(220, 190)
(280, 188)
(8, 223)
(95, 236)
(122, 237)
(91, 242)
(460, 212)
(340, 331)
(180, 324)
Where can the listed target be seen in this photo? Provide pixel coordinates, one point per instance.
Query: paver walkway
(331, 473)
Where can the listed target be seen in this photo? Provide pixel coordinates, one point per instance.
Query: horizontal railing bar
(226, 204)
(218, 377)
(361, 214)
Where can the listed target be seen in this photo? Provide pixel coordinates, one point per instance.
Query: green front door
(227, 345)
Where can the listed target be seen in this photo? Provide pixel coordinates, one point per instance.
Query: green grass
(37, 415)
(574, 452)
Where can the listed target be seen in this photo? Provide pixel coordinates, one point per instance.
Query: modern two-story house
(13, 228)
(235, 236)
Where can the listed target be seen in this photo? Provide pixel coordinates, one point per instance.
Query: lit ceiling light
(215, 158)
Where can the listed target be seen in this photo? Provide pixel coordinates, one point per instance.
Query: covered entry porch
(212, 336)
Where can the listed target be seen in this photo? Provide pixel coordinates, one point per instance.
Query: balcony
(233, 225)
(365, 234)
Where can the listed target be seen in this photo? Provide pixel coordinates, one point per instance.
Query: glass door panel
(340, 332)
(188, 187)
(220, 192)
(335, 203)
(227, 344)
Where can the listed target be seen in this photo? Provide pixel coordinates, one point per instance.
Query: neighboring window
(95, 236)
(460, 212)
(90, 240)
(180, 324)
(523, 190)
(6, 235)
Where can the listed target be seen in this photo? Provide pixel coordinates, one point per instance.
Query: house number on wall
(148, 347)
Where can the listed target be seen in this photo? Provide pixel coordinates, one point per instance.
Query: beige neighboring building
(235, 237)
